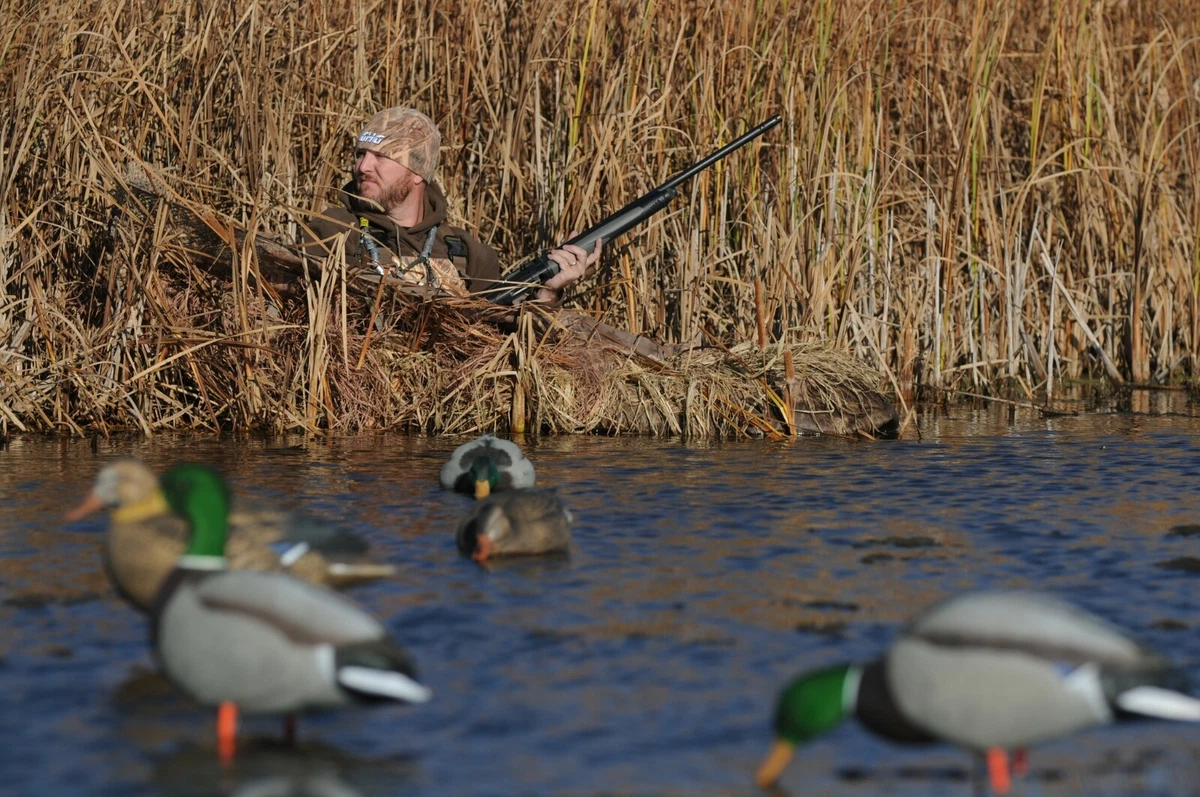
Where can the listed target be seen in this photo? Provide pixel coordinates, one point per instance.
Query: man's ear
(418, 179)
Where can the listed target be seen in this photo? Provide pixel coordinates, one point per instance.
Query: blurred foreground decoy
(515, 523)
(992, 672)
(487, 465)
(145, 539)
(262, 642)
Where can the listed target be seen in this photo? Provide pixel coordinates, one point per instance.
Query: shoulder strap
(367, 241)
(423, 259)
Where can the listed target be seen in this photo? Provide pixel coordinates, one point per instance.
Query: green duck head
(810, 705)
(199, 495)
(485, 475)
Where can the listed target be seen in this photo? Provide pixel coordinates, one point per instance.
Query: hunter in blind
(395, 217)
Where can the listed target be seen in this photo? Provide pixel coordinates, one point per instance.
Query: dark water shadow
(147, 694)
(33, 599)
(527, 566)
(935, 774)
(1121, 763)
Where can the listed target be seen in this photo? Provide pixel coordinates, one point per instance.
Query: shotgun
(524, 280)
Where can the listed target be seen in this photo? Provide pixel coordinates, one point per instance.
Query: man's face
(383, 180)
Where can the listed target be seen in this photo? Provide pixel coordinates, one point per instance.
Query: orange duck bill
(773, 765)
(483, 549)
(93, 503)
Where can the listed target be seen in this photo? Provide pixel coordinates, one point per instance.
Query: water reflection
(154, 715)
(271, 769)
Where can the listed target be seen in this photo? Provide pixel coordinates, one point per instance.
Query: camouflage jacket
(454, 250)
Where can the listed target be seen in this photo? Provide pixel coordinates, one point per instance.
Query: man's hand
(573, 262)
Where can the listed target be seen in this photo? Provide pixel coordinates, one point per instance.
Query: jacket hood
(435, 205)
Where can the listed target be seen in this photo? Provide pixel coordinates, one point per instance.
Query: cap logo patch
(371, 138)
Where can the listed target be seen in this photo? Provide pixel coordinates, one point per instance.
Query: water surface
(703, 575)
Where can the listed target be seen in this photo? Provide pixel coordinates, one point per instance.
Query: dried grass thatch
(540, 374)
(325, 354)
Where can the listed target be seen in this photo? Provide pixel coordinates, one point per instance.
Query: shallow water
(702, 576)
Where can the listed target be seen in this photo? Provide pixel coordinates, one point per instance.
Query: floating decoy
(992, 672)
(262, 642)
(515, 523)
(487, 465)
(145, 539)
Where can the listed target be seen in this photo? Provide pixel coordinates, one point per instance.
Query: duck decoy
(515, 523)
(991, 672)
(487, 465)
(262, 642)
(145, 539)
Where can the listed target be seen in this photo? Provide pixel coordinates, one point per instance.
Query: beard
(395, 194)
(389, 196)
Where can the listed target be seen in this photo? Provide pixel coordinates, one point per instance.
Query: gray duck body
(268, 642)
(516, 471)
(1010, 669)
(517, 523)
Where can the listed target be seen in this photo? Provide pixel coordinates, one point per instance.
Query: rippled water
(702, 576)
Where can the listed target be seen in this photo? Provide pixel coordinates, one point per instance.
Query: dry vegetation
(985, 196)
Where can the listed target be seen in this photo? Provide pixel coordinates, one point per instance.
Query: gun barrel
(542, 268)
(737, 143)
(525, 278)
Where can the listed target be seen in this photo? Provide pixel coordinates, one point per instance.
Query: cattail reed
(977, 195)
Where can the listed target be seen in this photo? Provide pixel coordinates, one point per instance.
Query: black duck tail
(378, 670)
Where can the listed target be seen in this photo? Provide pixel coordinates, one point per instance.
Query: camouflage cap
(405, 135)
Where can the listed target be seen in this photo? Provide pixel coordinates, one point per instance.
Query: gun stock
(533, 274)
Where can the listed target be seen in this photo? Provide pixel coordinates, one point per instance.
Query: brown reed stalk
(934, 153)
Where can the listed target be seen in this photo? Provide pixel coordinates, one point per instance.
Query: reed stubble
(992, 197)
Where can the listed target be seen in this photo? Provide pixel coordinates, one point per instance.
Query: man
(396, 216)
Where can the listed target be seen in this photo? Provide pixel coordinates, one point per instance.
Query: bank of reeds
(989, 196)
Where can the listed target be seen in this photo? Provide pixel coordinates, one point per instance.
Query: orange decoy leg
(998, 772)
(226, 732)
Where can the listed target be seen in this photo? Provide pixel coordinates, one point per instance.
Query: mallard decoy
(261, 642)
(515, 523)
(145, 539)
(487, 465)
(991, 672)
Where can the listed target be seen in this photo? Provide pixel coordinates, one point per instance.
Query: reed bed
(988, 197)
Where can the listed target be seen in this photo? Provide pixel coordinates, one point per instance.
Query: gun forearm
(534, 273)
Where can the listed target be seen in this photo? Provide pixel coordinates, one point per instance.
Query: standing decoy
(487, 465)
(515, 523)
(992, 672)
(145, 539)
(262, 642)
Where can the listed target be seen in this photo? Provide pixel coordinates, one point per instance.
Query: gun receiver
(530, 276)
